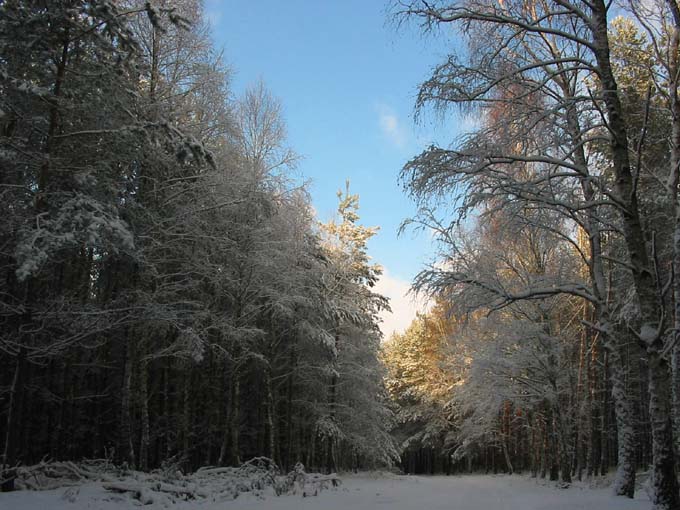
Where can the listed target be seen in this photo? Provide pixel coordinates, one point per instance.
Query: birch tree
(568, 37)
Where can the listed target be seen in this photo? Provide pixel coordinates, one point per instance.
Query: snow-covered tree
(556, 136)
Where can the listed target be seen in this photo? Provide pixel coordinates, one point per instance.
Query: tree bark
(145, 441)
(270, 406)
(674, 185)
(235, 419)
(45, 169)
(665, 495)
(624, 483)
(16, 394)
(126, 444)
(186, 418)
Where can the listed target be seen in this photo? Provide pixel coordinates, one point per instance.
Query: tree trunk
(226, 422)
(505, 435)
(664, 480)
(45, 170)
(563, 450)
(144, 415)
(665, 495)
(332, 403)
(16, 394)
(270, 407)
(289, 411)
(168, 412)
(235, 420)
(674, 185)
(126, 444)
(186, 418)
(506, 455)
(594, 430)
(624, 483)
(604, 417)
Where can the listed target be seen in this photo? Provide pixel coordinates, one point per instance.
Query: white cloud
(391, 127)
(404, 306)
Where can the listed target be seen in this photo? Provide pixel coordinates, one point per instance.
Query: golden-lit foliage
(416, 359)
(632, 57)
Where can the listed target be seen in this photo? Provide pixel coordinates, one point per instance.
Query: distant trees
(167, 295)
(576, 165)
(421, 372)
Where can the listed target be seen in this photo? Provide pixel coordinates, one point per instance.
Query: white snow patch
(473, 492)
(648, 333)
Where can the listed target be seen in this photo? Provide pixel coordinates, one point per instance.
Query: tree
(542, 44)
(166, 298)
(63, 139)
(353, 311)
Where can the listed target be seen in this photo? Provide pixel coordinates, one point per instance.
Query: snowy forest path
(467, 492)
(360, 492)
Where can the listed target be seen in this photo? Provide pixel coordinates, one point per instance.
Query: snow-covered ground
(473, 492)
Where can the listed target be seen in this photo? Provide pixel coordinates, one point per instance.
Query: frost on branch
(81, 220)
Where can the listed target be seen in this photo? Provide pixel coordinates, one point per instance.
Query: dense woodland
(553, 345)
(168, 298)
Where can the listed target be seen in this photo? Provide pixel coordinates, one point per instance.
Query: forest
(167, 296)
(169, 299)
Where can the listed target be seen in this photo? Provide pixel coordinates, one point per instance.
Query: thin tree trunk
(186, 418)
(604, 416)
(126, 444)
(554, 450)
(45, 169)
(235, 420)
(544, 447)
(535, 448)
(289, 411)
(270, 418)
(144, 415)
(505, 435)
(332, 403)
(563, 450)
(226, 430)
(506, 455)
(9, 456)
(594, 421)
(168, 412)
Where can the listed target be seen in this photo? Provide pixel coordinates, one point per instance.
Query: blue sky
(347, 78)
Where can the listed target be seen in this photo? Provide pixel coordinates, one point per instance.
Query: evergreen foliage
(167, 296)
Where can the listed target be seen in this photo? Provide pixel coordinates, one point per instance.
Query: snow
(362, 492)
(649, 333)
